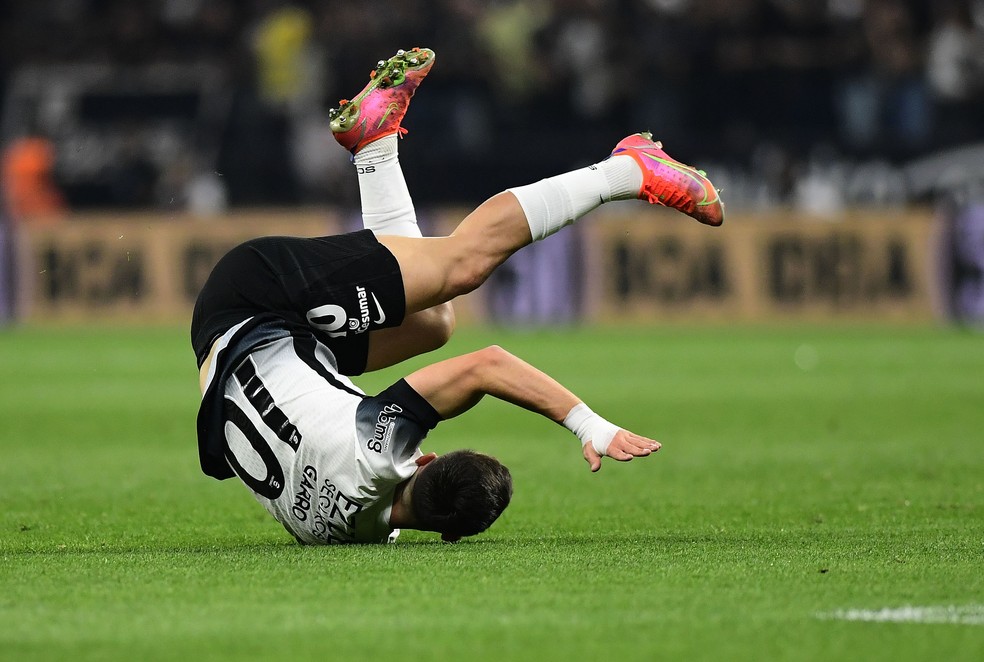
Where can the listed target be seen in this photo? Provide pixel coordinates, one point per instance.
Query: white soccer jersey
(321, 456)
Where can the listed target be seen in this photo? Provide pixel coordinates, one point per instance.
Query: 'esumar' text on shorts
(338, 287)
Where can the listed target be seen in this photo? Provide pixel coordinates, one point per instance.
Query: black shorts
(340, 287)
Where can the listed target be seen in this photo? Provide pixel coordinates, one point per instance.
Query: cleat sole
(388, 73)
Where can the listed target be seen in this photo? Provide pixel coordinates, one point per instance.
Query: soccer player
(282, 321)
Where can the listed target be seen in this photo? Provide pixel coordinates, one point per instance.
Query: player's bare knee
(439, 324)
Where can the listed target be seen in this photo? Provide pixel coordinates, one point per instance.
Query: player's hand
(624, 446)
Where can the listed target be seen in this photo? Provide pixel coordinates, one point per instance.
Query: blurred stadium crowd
(215, 103)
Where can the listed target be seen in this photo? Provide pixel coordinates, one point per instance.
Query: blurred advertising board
(614, 267)
(962, 263)
(863, 267)
(8, 278)
(139, 268)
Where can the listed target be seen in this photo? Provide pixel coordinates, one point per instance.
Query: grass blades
(805, 473)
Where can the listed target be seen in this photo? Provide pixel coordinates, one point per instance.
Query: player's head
(460, 494)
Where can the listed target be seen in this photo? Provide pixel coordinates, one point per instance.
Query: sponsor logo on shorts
(360, 324)
(379, 308)
(333, 320)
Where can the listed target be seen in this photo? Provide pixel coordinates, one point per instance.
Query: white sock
(386, 204)
(556, 202)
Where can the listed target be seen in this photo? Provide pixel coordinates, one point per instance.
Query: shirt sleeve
(414, 405)
(391, 425)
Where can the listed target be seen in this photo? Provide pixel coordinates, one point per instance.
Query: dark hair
(461, 493)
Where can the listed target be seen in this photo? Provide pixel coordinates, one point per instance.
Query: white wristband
(589, 426)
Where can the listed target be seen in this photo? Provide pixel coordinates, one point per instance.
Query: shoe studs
(387, 74)
(335, 112)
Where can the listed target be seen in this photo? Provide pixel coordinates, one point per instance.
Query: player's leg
(327, 283)
(421, 332)
(369, 126)
(439, 269)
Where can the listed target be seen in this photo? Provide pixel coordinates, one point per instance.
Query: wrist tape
(589, 426)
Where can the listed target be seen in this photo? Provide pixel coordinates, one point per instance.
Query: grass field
(804, 473)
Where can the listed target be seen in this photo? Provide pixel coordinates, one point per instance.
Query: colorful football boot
(667, 182)
(379, 108)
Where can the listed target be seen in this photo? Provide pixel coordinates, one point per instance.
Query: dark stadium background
(194, 109)
(777, 95)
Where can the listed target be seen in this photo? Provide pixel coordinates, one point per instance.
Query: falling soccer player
(282, 321)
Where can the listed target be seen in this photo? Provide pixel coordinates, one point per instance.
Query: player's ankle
(377, 151)
(624, 177)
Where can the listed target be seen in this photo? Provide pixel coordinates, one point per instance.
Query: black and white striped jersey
(321, 456)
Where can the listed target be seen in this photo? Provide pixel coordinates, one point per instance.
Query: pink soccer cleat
(379, 108)
(667, 182)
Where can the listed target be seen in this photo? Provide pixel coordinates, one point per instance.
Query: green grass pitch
(805, 472)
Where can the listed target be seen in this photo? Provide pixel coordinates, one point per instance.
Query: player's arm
(456, 385)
